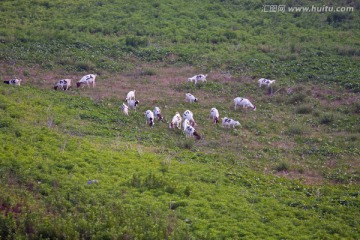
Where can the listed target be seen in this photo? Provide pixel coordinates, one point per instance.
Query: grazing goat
(228, 122)
(197, 78)
(191, 98)
(149, 115)
(13, 82)
(133, 104)
(63, 84)
(186, 122)
(214, 115)
(266, 82)
(189, 115)
(176, 121)
(125, 109)
(87, 79)
(130, 96)
(157, 113)
(245, 103)
(190, 131)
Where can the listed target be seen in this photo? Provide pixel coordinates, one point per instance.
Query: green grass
(72, 166)
(178, 189)
(233, 36)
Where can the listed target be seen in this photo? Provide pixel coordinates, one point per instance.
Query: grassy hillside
(234, 36)
(72, 166)
(54, 144)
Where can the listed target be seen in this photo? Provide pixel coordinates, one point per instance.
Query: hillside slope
(73, 167)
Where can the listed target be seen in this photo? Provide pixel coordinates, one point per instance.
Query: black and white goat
(63, 84)
(87, 79)
(133, 104)
(214, 115)
(198, 78)
(190, 130)
(190, 98)
(190, 116)
(266, 82)
(13, 82)
(176, 121)
(157, 113)
(245, 103)
(149, 116)
(228, 122)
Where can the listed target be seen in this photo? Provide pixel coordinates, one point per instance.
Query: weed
(304, 109)
(326, 118)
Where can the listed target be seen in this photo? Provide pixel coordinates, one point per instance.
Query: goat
(63, 84)
(87, 79)
(191, 98)
(130, 96)
(157, 113)
(189, 115)
(190, 131)
(13, 82)
(176, 121)
(149, 115)
(228, 122)
(125, 109)
(214, 115)
(133, 104)
(245, 103)
(186, 122)
(196, 78)
(266, 82)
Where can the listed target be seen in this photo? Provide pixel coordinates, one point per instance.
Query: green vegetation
(72, 166)
(67, 171)
(234, 36)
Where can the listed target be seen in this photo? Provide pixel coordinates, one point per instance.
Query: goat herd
(188, 123)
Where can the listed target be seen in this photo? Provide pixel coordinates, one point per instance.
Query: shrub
(304, 109)
(295, 130)
(326, 119)
(282, 167)
(297, 98)
(134, 41)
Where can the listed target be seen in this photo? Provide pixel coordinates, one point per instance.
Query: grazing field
(73, 166)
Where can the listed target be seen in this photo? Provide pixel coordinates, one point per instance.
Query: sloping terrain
(73, 166)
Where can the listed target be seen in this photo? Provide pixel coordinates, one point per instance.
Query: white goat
(197, 78)
(190, 116)
(176, 121)
(157, 113)
(13, 82)
(149, 115)
(186, 123)
(228, 122)
(130, 95)
(63, 84)
(266, 82)
(191, 98)
(190, 131)
(87, 79)
(125, 109)
(133, 104)
(245, 103)
(214, 115)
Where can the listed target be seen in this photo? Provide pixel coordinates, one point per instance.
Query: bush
(295, 130)
(282, 167)
(134, 41)
(297, 98)
(326, 119)
(304, 109)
